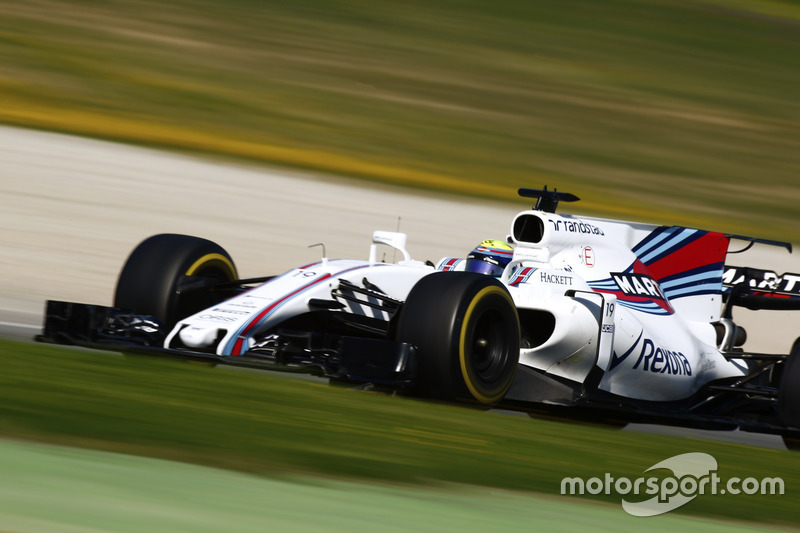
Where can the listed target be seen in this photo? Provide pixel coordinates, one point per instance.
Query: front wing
(339, 357)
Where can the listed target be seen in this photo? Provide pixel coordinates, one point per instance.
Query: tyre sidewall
(439, 317)
(488, 387)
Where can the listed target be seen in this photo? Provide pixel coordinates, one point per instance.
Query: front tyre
(153, 280)
(466, 330)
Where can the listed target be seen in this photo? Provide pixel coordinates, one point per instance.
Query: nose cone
(199, 337)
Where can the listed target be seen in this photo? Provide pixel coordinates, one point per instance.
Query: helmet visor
(480, 266)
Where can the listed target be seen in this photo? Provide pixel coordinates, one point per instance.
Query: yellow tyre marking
(226, 265)
(468, 380)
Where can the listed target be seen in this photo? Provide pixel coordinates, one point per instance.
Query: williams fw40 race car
(589, 318)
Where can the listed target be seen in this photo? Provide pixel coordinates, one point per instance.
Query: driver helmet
(489, 257)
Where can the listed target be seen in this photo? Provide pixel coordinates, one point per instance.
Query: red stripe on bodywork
(237, 347)
(709, 249)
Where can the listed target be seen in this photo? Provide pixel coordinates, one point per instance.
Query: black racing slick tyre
(466, 331)
(789, 397)
(153, 280)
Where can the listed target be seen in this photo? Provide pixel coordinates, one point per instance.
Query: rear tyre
(792, 440)
(153, 280)
(466, 330)
(789, 397)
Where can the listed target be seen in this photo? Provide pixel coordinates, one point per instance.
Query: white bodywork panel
(611, 312)
(243, 317)
(634, 302)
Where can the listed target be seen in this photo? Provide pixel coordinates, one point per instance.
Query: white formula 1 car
(581, 317)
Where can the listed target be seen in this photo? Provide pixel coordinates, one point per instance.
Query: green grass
(273, 426)
(673, 112)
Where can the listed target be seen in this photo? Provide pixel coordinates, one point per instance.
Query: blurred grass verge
(52, 488)
(673, 112)
(277, 427)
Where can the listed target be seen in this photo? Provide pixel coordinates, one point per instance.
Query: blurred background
(677, 112)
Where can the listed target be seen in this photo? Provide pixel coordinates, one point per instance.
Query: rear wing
(756, 288)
